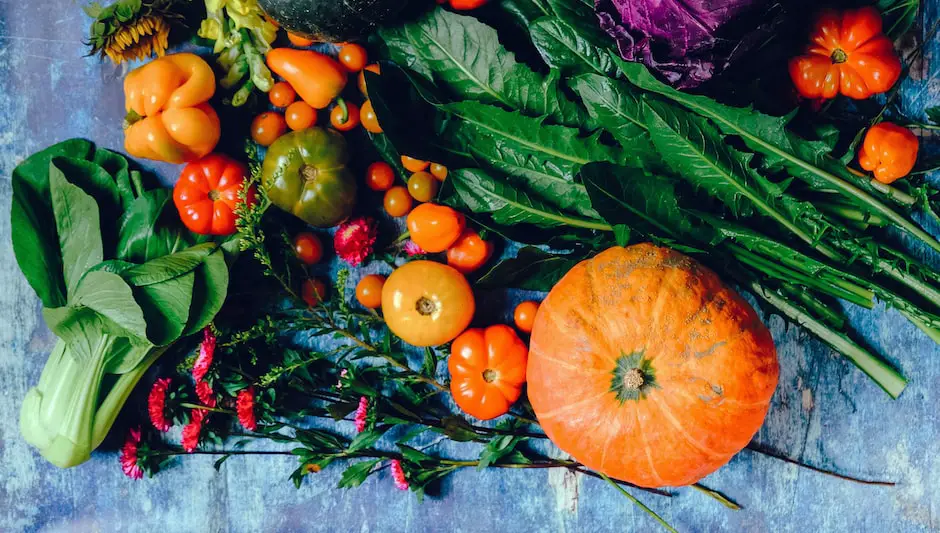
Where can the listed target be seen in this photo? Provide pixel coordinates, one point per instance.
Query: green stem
(761, 449)
(711, 493)
(639, 503)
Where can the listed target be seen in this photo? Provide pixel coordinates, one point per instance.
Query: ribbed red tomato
(206, 194)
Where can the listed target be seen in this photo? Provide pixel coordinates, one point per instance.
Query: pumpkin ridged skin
(714, 365)
(330, 20)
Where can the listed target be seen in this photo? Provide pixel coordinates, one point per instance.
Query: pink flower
(399, 475)
(245, 406)
(362, 412)
(412, 249)
(193, 429)
(129, 455)
(342, 374)
(206, 352)
(156, 404)
(354, 239)
(205, 394)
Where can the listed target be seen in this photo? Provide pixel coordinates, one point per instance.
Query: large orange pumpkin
(644, 366)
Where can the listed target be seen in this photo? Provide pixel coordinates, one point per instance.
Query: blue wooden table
(825, 412)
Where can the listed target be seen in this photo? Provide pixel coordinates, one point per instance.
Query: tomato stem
(838, 56)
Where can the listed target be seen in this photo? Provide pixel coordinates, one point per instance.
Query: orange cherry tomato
(524, 315)
(439, 171)
(345, 121)
(206, 194)
(313, 292)
(469, 253)
(422, 186)
(427, 303)
(397, 201)
(353, 57)
(282, 94)
(298, 40)
(487, 370)
(300, 116)
(369, 121)
(889, 151)
(369, 291)
(267, 127)
(374, 67)
(308, 248)
(380, 176)
(414, 165)
(435, 227)
(848, 54)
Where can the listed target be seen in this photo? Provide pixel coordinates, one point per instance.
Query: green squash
(305, 174)
(331, 20)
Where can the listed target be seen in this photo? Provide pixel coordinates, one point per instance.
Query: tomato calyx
(490, 375)
(342, 105)
(213, 194)
(426, 306)
(309, 173)
(839, 56)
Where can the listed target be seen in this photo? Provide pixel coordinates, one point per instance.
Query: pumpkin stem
(633, 379)
(489, 375)
(425, 306)
(838, 56)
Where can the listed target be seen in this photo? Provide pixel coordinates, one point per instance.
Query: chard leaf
(209, 292)
(565, 146)
(464, 56)
(570, 50)
(96, 182)
(532, 269)
(169, 266)
(78, 227)
(150, 228)
(102, 302)
(509, 205)
(781, 148)
(166, 307)
(35, 242)
(117, 165)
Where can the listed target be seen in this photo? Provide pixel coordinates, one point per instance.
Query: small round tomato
(427, 303)
(374, 67)
(300, 115)
(469, 253)
(369, 121)
(313, 291)
(308, 248)
(414, 165)
(206, 194)
(282, 94)
(422, 186)
(353, 57)
(369, 291)
(524, 315)
(439, 171)
(344, 116)
(380, 176)
(889, 151)
(298, 40)
(435, 227)
(487, 370)
(397, 201)
(466, 5)
(267, 127)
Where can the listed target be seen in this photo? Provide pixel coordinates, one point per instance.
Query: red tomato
(380, 176)
(206, 194)
(308, 248)
(347, 122)
(314, 292)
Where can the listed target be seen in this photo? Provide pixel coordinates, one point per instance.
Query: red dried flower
(205, 394)
(206, 352)
(129, 455)
(156, 404)
(193, 429)
(398, 475)
(354, 239)
(412, 249)
(245, 406)
(362, 412)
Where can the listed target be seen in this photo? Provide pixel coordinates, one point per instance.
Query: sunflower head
(130, 29)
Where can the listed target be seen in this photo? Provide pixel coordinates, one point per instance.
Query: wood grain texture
(825, 412)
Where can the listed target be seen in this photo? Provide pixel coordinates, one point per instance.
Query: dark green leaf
(617, 109)
(151, 228)
(531, 269)
(209, 292)
(572, 52)
(98, 183)
(458, 429)
(117, 165)
(102, 300)
(366, 439)
(933, 113)
(356, 473)
(414, 456)
(166, 307)
(167, 267)
(622, 234)
(78, 228)
(525, 12)
(218, 462)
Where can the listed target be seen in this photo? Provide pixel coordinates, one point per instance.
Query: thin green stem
(711, 493)
(763, 450)
(639, 503)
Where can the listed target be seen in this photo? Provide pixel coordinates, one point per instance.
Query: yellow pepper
(168, 111)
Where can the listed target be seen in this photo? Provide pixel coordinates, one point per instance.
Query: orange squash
(644, 366)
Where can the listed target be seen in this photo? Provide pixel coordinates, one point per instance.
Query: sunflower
(131, 29)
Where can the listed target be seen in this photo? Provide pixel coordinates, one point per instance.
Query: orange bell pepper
(166, 102)
(889, 151)
(317, 78)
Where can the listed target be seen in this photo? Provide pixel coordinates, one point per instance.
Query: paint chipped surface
(844, 422)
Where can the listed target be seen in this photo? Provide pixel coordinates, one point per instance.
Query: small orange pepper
(317, 78)
(889, 151)
(469, 253)
(168, 114)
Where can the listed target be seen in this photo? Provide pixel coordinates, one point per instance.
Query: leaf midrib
(570, 221)
(486, 87)
(531, 146)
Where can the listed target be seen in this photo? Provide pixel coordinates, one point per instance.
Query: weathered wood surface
(825, 411)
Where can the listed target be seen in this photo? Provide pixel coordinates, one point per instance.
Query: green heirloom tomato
(304, 173)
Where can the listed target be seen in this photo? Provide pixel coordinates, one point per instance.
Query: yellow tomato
(427, 303)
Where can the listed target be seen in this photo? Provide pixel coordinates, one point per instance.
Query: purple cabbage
(686, 42)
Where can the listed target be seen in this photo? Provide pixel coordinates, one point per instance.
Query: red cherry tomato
(308, 248)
